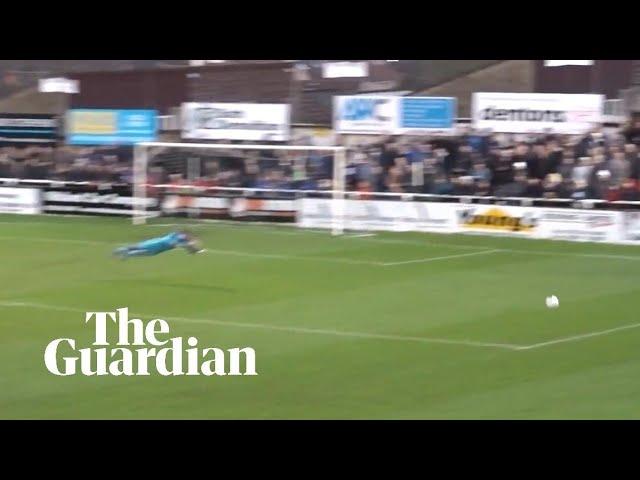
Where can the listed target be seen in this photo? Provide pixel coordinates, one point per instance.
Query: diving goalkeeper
(158, 245)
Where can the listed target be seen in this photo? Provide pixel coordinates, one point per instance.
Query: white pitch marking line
(576, 254)
(427, 243)
(60, 240)
(267, 228)
(301, 231)
(259, 255)
(380, 240)
(293, 257)
(317, 331)
(435, 259)
(469, 343)
(574, 338)
(213, 251)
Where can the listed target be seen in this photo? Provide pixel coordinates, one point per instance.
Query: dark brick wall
(153, 89)
(163, 89)
(606, 77)
(18, 75)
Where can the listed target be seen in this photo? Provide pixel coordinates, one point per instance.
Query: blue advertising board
(427, 113)
(380, 114)
(111, 127)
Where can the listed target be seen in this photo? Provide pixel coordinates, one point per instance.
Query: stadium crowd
(596, 165)
(67, 163)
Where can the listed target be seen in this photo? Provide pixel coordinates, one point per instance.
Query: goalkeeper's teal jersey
(167, 242)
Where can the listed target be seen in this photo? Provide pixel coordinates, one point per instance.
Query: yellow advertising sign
(93, 123)
(496, 218)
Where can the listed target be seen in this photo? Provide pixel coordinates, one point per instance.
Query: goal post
(143, 159)
(140, 163)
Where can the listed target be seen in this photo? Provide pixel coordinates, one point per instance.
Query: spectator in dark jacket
(388, 154)
(554, 156)
(632, 132)
(464, 162)
(631, 153)
(6, 166)
(501, 166)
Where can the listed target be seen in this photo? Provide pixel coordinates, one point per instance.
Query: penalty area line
(445, 257)
(341, 333)
(575, 338)
(277, 256)
(273, 256)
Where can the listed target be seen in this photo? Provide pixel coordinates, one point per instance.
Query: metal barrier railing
(274, 193)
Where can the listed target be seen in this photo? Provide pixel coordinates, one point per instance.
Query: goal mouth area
(203, 180)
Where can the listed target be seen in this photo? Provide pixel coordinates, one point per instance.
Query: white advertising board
(24, 201)
(402, 216)
(236, 121)
(376, 215)
(536, 112)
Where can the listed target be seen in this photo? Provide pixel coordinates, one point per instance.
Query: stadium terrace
(131, 357)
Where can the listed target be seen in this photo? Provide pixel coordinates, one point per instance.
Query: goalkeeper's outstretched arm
(193, 246)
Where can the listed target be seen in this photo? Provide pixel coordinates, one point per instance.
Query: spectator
(388, 155)
(553, 186)
(364, 174)
(464, 160)
(599, 178)
(477, 163)
(6, 166)
(631, 154)
(632, 132)
(403, 173)
(629, 191)
(501, 165)
(463, 185)
(580, 177)
(619, 168)
(517, 186)
(433, 169)
(554, 156)
(441, 185)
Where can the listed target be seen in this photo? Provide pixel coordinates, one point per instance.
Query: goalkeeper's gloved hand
(192, 247)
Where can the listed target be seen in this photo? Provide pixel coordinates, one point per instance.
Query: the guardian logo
(142, 353)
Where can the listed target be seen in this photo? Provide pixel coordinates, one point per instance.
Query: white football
(553, 302)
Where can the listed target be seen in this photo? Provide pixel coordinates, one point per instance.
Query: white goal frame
(141, 161)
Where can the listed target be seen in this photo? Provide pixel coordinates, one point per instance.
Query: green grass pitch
(392, 326)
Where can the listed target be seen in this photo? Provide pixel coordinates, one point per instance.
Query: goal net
(240, 182)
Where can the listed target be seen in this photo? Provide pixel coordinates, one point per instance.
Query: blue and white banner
(392, 115)
(111, 127)
(427, 113)
(18, 128)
